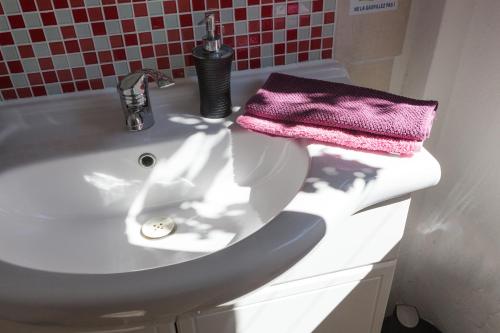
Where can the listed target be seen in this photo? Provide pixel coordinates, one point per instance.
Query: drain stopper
(158, 227)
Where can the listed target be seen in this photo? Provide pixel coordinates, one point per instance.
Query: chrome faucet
(134, 95)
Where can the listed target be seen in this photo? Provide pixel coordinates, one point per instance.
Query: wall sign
(371, 6)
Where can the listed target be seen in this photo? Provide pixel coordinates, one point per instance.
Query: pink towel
(347, 115)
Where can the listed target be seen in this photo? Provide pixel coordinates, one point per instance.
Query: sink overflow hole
(147, 160)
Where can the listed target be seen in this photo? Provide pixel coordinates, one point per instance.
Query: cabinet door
(351, 301)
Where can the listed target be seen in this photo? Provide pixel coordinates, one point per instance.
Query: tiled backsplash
(58, 46)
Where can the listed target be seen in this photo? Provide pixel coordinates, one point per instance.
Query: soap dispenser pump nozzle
(211, 41)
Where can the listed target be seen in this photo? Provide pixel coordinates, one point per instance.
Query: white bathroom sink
(74, 197)
(83, 213)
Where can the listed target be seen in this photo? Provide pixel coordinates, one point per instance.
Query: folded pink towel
(294, 100)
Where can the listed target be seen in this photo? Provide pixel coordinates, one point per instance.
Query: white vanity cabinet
(341, 286)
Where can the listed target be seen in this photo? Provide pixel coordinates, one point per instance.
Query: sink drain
(147, 160)
(158, 227)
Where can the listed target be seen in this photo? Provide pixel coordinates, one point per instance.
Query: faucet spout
(134, 94)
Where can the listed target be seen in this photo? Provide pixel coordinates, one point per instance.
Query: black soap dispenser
(213, 61)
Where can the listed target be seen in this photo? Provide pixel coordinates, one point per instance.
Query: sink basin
(217, 184)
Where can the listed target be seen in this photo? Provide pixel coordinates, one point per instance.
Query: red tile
(279, 48)
(266, 37)
(304, 56)
(68, 32)
(241, 41)
(119, 54)
(147, 52)
(79, 73)
(112, 2)
(135, 65)
(198, 4)
(329, 18)
(279, 60)
(8, 94)
(178, 73)
(212, 4)
(229, 41)
(145, 38)
(45, 63)
(169, 7)
(291, 34)
(328, 42)
(140, 9)
(304, 45)
(48, 18)
(15, 66)
(44, 4)
(174, 48)
(56, 48)
(326, 54)
(187, 47)
(185, 20)
(90, 58)
(39, 91)
(64, 75)
(267, 24)
(292, 8)
(187, 33)
(87, 44)
(95, 14)
(111, 12)
(104, 56)
(254, 63)
(184, 6)
(291, 47)
(161, 50)
(316, 32)
(315, 44)
(131, 39)
(77, 3)
(67, 87)
(279, 23)
(82, 85)
(37, 35)
(27, 5)
(5, 82)
(255, 52)
(242, 53)
(254, 39)
(173, 35)
(265, 2)
(163, 63)
(80, 15)
(71, 46)
(96, 84)
(242, 65)
(254, 26)
(49, 76)
(108, 69)
(317, 5)
(116, 41)
(16, 21)
(26, 51)
(24, 92)
(226, 3)
(3, 69)
(128, 25)
(240, 14)
(188, 60)
(228, 29)
(266, 11)
(98, 28)
(58, 4)
(304, 20)
(253, 2)
(157, 22)
(6, 38)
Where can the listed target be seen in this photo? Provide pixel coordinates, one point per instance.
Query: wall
(368, 44)
(449, 266)
(58, 46)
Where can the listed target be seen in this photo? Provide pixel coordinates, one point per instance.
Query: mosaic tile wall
(58, 46)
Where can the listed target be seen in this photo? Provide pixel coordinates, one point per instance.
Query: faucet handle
(134, 95)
